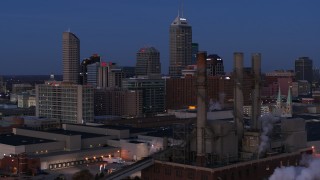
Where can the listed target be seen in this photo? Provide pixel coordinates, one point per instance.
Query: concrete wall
(73, 143)
(95, 142)
(8, 149)
(76, 156)
(133, 151)
(105, 131)
(114, 143)
(44, 147)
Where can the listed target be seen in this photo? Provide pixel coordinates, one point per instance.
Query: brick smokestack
(201, 106)
(238, 94)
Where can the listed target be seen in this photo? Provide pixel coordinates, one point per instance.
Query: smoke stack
(256, 102)
(238, 94)
(201, 106)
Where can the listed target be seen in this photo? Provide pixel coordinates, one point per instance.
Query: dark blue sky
(31, 31)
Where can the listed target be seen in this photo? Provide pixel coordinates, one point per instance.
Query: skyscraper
(195, 50)
(303, 69)
(83, 67)
(148, 62)
(180, 46)
(70, 57)
(215, 65)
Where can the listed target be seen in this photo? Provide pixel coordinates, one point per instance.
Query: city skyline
(282, 32)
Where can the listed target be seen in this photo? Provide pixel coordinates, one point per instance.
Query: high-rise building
(115, 77)
(148, 62)
(215, 65)
(153, 93)
(67, 102)
(70, 57)
(3, 86)
(92, 74)
(303, 69)
(118, 102)
(83, 67)
(195, 50)
(316, 74)
(129, 71)
(180, 46)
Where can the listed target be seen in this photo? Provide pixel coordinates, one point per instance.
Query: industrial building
(224, 149)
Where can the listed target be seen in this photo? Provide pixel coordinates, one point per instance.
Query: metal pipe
(201, 106)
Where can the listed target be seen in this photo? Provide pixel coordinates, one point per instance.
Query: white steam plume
(308, 170)
(267, 122)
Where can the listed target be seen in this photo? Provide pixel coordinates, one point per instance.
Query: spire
(289, 98)
(279, 95)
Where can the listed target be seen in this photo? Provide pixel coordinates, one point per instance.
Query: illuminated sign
(103, 64)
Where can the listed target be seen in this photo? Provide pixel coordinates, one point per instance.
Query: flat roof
(84, 135)
(18, 140)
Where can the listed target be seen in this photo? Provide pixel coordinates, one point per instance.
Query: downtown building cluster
(197, 86)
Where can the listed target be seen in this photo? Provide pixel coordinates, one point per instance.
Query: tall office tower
(316, 74)
(195, 50)
(215, 65)
(116, 75)
(153, 93)
(83, 67)
(180, 46)
(92, 74)
(67, 102)
(103, 74)
(70, 57)
(303, 69)
(129, 71)
(148, 62)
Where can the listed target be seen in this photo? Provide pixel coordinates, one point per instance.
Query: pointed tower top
(279, 95)
(289, 98)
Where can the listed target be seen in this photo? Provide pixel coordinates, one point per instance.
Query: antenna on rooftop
(181, 8)
(68, 30)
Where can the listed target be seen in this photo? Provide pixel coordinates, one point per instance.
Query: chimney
(201, 106)
(256, 99)
(238, 94)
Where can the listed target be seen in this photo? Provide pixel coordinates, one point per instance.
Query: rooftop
(180, 21)
(84, 135)
(18, 140)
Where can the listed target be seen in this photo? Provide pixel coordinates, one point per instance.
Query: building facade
(118, 102)
(67, 102)
(153, 91)
(148, 62)
(215, 65)
(303, 69)
(195, 50)
(181, 92)
(95, 58)
(70, 57)
(180, 46)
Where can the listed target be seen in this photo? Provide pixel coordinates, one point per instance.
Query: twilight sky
(31, 31)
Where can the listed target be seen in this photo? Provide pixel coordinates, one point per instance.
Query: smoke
(214, 105)
(308, 170)
(267, 122)
(155, 146)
